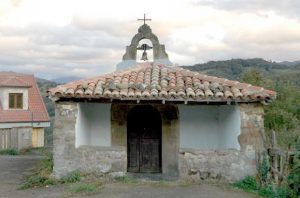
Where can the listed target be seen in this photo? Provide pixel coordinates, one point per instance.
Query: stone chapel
(152, 117)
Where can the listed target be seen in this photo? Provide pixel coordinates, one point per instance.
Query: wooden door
(144, 140)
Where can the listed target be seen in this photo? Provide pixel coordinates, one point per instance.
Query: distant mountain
(66, 79)
(234, 68)
(290, 63)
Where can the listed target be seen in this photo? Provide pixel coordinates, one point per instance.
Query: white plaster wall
(4, 93)
(209, 127)
(93, 125)
(230, 126)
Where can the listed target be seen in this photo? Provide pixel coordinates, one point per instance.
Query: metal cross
(144, 19)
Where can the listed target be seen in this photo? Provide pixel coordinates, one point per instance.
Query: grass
(41, 177)
(71, 177)
(83, 188)
(10, 151)
(30, 150)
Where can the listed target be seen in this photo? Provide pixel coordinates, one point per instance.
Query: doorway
(144, 137)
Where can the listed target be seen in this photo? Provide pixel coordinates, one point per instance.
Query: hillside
(44, 85)
(287, 72)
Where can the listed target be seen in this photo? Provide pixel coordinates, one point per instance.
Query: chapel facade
(152, 117)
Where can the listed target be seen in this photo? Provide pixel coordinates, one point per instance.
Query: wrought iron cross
(144, 19)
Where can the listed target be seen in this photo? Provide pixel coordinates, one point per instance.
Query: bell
(144, 56)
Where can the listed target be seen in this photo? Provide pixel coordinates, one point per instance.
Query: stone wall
(89, 159)
(252, 126)
(228, 164)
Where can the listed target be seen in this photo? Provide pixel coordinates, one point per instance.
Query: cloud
(57, 38)
(58, 51)
(289, 8)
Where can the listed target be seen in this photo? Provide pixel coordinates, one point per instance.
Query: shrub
(277, 192)
(247, 184)
(10, 151)
(293, 179)
(71, 177)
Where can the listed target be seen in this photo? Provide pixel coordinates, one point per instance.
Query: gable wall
(4, 92)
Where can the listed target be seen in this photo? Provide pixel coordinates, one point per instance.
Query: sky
(55, 38)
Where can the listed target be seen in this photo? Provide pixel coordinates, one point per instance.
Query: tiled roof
(159, 82)
(36, 108)
(8, 79)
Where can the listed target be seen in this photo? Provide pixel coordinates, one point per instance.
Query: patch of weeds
(125, 179)
(84, 188)
(248, 184)
(71, 177)
(9, 151)
(269, 192)
(36, 151)
(41, 177)
(37, 181)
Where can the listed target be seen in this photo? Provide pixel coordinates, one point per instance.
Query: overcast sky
(53, 38)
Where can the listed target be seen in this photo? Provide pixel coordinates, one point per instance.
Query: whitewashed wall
(209, 127)
(93, 124)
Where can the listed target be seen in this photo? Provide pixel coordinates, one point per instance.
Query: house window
(16, 101)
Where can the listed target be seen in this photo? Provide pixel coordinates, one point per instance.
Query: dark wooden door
(144, 140)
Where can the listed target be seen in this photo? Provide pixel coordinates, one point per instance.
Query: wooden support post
(275, 157)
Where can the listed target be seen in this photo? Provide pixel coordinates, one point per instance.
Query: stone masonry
(88, 159)
(229, 164)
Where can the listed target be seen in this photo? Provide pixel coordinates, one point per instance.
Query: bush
(277, 192)
(247, 184)
(71, 177)
(10, 151)
(294, 175)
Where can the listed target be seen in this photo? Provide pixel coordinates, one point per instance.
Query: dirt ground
(13, 169)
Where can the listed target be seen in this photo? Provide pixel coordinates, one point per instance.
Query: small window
(16, 101)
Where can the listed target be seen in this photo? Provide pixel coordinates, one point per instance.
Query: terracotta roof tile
(36, 108)
(148, 81)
